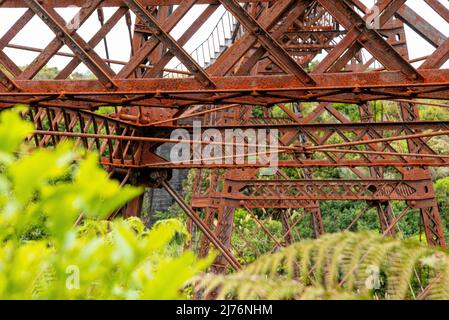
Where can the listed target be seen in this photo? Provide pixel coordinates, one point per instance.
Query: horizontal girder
(107, 3)
(270, 72)
(350, 87)
(125, 145)
(280, 193)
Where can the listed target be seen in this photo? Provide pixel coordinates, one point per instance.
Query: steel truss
(260, 53)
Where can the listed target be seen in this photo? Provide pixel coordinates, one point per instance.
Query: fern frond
(247, 287)
(339, 266)
(352, 258)
(438, 287)
(334, 271)
(400, 271)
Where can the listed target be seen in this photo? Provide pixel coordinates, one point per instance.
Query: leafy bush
(44, 255)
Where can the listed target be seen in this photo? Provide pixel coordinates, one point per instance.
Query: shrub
(44, 255)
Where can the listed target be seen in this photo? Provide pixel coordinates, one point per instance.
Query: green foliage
(340, 266)
(257, 240)
(257, 111)
(44, 255)
(433, 113)
(49, 73)
(442, 193)
(337, 215)
(250, 240)
(442, 196)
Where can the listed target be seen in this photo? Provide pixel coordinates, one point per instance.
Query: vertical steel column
(384, 209)
(223, 232)
(223, 248)
(430, 214)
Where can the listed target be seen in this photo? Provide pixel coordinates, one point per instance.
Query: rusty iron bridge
(304, 58)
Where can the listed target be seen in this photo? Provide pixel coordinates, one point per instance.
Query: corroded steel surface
(302, 57)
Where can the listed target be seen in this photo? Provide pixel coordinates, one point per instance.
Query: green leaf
(13, 130)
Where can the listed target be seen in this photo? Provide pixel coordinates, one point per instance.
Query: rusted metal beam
(108, 3)
(290, 19)
(101, 34)
(7, 81)
(74, 42)
(329, 190)
(57, 43)
(16, 28)
(371, 41)
(421, 26)
(277, 52)
(267, 20)
(344, 87)
(202, 226)
(170, 43)
(196, 25)
(264, 64)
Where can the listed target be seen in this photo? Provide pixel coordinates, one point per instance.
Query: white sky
(37, 34)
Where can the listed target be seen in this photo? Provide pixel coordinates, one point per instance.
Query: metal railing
(225, 32)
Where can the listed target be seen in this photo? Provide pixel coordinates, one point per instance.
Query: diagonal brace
(271, 45)
(169, 42)
(370, 39)
(93, 42)
(7, 81)
(202, 226)
(69, 40)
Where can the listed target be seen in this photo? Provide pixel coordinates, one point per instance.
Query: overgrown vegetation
(338, 215)
(44, 255)
(340, 266)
